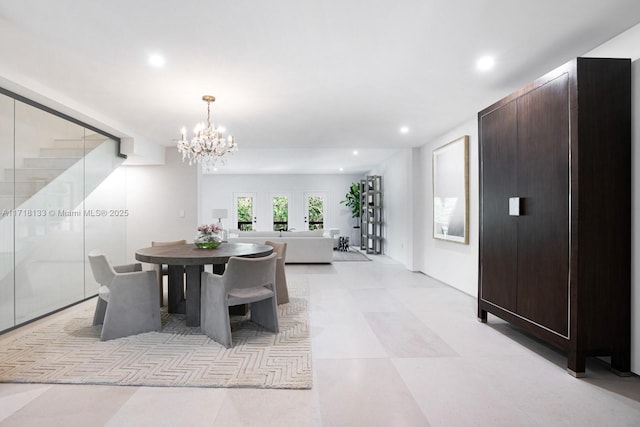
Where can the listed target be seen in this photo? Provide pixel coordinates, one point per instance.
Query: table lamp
(220, 213)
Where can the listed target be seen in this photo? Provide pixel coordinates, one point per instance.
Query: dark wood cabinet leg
(621, 363)
(576, 364)
(482, 316)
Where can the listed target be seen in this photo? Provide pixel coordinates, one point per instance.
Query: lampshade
(219, 213)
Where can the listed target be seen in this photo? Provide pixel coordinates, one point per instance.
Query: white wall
(217, 192)
(408, 214)
(397, 206)
(452, 263)
(162, 203)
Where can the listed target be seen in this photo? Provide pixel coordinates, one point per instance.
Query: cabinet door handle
(514, 206)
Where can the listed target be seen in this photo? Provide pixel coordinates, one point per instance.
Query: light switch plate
(514, 206)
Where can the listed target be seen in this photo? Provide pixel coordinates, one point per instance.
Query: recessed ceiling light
(341, 169)
(355, 152)
(404, 129)
(485, 63)
(156, 60)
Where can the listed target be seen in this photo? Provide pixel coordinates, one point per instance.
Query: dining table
(190, 260)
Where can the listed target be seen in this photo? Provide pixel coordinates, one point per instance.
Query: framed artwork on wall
(451, 191)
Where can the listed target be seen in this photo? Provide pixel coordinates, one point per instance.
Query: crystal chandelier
(208, 146)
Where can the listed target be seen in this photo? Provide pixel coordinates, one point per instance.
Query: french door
(245, 212)
(280, 210)
(315, 210)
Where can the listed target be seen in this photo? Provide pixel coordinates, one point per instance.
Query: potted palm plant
(352, 201)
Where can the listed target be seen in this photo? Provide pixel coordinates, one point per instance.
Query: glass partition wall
(7, 312)
(61, 196)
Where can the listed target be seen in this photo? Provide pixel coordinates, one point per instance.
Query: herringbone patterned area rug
(68, 350)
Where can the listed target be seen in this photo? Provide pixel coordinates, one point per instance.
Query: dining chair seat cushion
(247, 296)
(127, 268)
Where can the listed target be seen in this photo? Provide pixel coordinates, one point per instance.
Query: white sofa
(302, 246)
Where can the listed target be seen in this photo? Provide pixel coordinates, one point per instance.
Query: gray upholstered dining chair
(245, 281)
(163, 270)
(127, 299)
(281, 278)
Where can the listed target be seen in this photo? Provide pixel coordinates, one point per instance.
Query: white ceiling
(295, 80)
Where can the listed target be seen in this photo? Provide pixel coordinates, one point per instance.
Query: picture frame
(450, 167)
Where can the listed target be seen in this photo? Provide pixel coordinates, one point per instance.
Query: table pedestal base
(177, 300)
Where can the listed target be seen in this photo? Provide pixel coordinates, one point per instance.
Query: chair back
(278, 248)
(103, 272)
(243, 273)
(171, 243)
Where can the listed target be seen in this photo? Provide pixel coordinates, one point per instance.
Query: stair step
(38, 172)
(22, 188)
(62, 152)
(50, 162)
(89, 142)
(26, 174)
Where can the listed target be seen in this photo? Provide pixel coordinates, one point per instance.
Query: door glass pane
(244, 213)
(315, 206)
(7, 209)
(280, 213)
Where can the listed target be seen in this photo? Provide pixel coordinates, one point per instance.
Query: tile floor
(390, 348)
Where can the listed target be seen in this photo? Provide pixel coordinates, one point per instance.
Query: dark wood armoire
(555, 210)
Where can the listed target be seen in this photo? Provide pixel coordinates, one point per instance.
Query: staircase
(58, 180)
(38, 172)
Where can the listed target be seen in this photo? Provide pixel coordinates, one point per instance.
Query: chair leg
(131, 320)
(214, 315)
(101, 309)
(216, 325)
(132, 309)
(265, 314)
